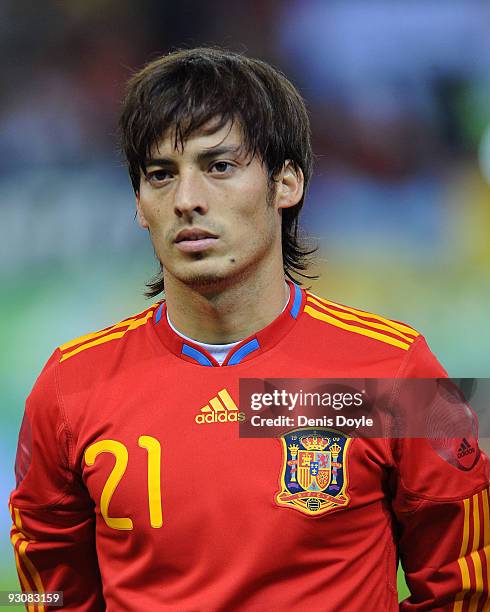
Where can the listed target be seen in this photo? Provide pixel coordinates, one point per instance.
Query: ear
(289, 185)
(139, 212)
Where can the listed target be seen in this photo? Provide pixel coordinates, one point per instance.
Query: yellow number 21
(120, 452)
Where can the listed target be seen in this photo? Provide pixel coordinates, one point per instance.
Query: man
(134, 490)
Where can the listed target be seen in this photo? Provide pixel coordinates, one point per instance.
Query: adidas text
(220, 417)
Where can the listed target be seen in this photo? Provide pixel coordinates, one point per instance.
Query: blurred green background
(400, 202)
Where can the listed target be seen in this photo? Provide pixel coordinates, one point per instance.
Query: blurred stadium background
(399, 94)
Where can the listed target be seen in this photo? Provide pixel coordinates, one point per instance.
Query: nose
(190, 196)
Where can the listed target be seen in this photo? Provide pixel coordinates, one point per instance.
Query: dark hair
(187, 88)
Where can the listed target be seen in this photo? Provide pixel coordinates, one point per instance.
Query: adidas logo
(220, 409)
(465, 449)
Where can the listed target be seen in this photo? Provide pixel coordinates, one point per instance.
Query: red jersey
(130, 497)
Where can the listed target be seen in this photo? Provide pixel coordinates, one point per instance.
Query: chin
(208, 275)
(203, 280)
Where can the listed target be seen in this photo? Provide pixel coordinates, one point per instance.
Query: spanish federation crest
(314, 471)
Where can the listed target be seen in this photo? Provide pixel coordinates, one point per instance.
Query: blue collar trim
(195, 354)
(297, 301)
(243, 351)
(158, 315)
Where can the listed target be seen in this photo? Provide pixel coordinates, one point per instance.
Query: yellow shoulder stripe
(105, 335)
(352, 317)
(322, 316)
(399, 326)
(93, 335)
(101, 332)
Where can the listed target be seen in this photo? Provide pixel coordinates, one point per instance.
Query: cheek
(153, 212)
(252, 207)
(255, 229)
(151, 204)
(154, 216)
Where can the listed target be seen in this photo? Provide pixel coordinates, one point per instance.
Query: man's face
(207, 208)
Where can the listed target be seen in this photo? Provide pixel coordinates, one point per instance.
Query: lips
(195, 240)
(193, 234)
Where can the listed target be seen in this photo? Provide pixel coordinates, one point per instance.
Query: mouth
(193, 240)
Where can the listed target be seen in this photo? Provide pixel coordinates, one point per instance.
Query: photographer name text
(301, 420)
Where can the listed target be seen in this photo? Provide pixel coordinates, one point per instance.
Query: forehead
(209, 136)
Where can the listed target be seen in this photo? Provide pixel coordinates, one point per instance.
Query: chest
(161, 454)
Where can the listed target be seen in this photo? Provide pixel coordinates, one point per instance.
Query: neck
(226, 313)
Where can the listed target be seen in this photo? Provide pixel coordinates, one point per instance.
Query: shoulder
(111, 338)
(361, 335)
(356, 324)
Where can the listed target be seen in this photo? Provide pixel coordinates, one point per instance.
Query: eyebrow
(202, 156)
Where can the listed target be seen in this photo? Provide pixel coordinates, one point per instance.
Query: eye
(158, 176)
(221, 167)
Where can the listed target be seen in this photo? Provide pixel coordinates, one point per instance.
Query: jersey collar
(247, 349)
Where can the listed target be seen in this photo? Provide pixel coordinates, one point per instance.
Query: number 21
(120, 452)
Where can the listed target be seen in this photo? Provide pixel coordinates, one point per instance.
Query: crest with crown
(314, 442)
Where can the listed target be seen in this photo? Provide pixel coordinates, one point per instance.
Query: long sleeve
(444, 533)
(441, 499)
(53, 531)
